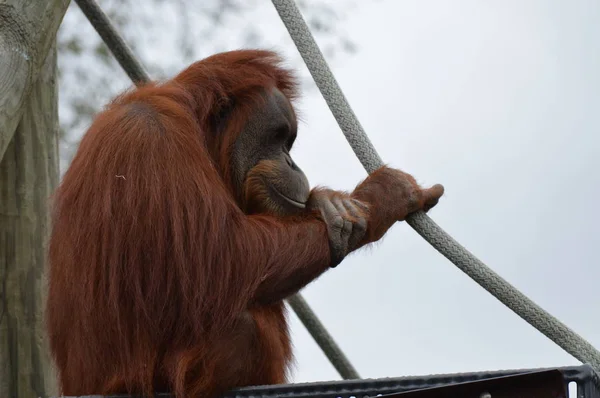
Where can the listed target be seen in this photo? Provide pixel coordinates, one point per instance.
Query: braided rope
(322, 337)
(536, 316)
(113, 40)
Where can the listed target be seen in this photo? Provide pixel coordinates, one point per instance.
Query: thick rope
(113, 40)
(138, 75)
(425, 226)
(329, 347)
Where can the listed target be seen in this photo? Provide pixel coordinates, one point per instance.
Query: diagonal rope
(322, 337)
(113, 40)
(536, 316)
(138, 75)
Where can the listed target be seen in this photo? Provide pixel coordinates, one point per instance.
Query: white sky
(500, 102)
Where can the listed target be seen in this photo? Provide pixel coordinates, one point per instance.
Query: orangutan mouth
(293, 202)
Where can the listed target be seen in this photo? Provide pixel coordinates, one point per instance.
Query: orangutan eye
(281, 133)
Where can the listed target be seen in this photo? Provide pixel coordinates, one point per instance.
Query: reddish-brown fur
(158, 280)
(152, 263)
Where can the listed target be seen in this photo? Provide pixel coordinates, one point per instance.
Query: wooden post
(27, 30)
(28, 175)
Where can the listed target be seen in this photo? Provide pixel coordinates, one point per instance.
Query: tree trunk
(28, 175)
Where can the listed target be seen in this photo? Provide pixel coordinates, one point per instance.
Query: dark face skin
(268, 179)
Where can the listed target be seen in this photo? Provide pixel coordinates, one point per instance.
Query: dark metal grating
(588, 385)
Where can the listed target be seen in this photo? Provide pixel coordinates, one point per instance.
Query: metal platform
(530, 383)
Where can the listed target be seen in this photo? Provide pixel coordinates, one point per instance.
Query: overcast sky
(500, 102)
